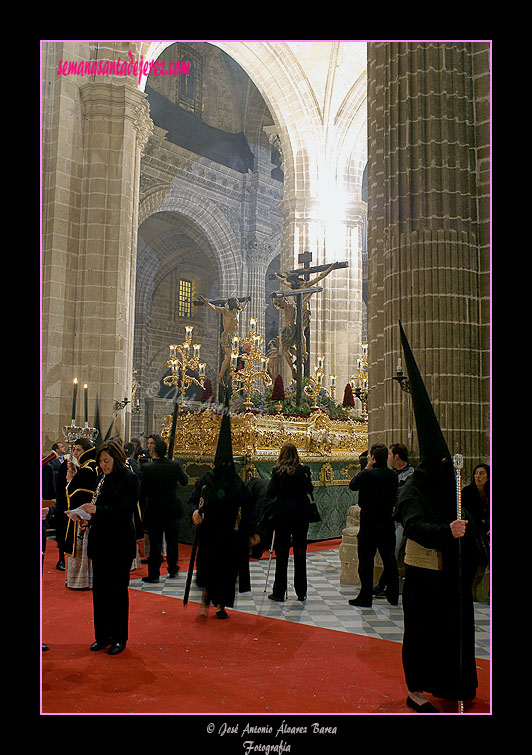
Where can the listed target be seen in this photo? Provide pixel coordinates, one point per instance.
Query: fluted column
(259, 254)
(116, 126)
(425, 264)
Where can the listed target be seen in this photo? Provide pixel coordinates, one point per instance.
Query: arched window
(184, 300)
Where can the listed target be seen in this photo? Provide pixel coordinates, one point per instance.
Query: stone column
(425, 263)
(116, 126)
(259, 253)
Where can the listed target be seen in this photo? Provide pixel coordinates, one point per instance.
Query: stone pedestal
(348, 551)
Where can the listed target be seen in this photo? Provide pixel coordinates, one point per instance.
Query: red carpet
(176, 663)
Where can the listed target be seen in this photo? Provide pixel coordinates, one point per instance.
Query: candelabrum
(247, 377)
(359, 381)
(401, 378)
(315, 385)
(72, 432)
(135, 403)
(181, 361)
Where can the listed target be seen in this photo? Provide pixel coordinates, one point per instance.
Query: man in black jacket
(377, 492)
(160, 507)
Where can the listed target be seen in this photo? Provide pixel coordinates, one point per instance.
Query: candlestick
(180, 364)
(86, 402)
(333, 380)
(248, 374)
(74, 399)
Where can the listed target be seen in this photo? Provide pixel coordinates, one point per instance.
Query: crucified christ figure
(296, 282)
(230, 313)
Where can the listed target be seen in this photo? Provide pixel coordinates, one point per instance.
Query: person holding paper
(81, 481)
(112, 546)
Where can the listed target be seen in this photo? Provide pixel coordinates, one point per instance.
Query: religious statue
(288, 336)
(273, 353)
(230, 313)
(295, 281)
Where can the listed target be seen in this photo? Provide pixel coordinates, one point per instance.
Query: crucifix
(229, 311)
(300, 295)
(301, 285)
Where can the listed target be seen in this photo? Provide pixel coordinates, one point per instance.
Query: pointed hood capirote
(434, 475)
(224, 448)
(224, 474)
(432, 444)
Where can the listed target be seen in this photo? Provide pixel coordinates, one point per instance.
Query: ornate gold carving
(326, 473)
(260, 437)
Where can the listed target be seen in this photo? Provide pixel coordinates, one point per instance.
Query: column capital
(104, 100)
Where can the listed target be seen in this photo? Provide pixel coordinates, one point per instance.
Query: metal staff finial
(458, 461)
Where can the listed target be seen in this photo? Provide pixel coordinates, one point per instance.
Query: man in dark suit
(160, 506)
(377, 492)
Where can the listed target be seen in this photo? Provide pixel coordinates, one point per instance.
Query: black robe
(78, 491)
(439, 632)
(223, 549)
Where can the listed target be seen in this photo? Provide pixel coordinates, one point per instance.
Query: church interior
(181, 173)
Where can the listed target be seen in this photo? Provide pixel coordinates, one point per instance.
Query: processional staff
(458, 461)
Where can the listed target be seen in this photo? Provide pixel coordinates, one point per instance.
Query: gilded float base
(329, 447)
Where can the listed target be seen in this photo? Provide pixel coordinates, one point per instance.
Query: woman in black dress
(112, 546)
(291, 486)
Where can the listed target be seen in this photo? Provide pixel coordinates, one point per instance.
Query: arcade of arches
(157, 189)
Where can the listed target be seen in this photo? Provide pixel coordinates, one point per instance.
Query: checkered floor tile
(326, 605)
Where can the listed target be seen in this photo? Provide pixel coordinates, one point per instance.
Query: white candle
(188, 331)
(333, 380)
(252, 324)
(196, 350)
(202, 369)
(399, 367)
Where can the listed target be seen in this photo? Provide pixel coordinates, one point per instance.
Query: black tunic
(223, 549)
(439, 633)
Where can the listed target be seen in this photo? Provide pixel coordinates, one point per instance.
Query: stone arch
(213, 223)
(280, 79)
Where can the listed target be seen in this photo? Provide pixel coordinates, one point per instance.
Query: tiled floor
(326, 605)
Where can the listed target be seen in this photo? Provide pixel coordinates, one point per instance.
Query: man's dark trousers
(164, 522)
(370, 540)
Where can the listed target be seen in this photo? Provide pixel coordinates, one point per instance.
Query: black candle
(86, 403)
(74, 399)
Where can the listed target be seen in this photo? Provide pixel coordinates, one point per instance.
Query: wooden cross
(299, 281)
(299, 294)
